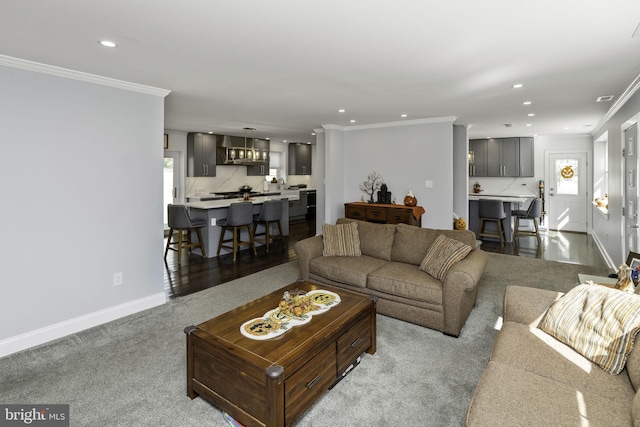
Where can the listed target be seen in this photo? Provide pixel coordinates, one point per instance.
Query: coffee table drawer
(353, 343)
(309, 382)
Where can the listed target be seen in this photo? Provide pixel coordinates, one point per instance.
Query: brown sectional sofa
(534, 380)
(389, 270)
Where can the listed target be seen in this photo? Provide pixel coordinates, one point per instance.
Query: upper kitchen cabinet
(501, 157)
(526, 157)
(478, 164)
(299, 159)
(201, 154)
(261, 167)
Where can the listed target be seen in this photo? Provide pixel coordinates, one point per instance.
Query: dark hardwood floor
(197, 273)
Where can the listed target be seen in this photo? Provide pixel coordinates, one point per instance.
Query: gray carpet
(131, 372)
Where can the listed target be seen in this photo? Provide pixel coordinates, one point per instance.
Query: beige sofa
(389, 270)
(534, 380)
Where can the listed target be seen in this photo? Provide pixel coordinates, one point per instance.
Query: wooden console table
(386, 214)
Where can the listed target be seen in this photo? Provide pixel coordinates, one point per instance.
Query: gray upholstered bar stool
(492, 211)
(240, 216)
(270, 215)
(179, 220)
(533, 213)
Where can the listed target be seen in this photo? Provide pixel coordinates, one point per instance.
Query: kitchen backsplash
(505, 186)
(230, 178)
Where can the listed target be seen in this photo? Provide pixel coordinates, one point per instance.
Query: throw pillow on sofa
(598, 322)
(442, 255)
(341, 240)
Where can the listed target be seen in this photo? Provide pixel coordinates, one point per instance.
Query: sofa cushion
(376, 240)
(407, 281)
(598, 322)
(443, 253)
(341, 240)
(350, 270)
(508, 396)
(410, 244)
(531, 349)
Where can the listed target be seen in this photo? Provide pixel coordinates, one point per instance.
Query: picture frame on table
(633, 260)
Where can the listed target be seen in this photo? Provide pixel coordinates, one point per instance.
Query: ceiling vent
(605, 98)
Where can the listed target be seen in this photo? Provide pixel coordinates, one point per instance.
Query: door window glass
(567, 177)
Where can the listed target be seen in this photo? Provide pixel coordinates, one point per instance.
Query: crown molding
(432, 120)
(52, 70)
(618, 104)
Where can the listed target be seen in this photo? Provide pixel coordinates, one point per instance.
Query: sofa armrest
(308, 249)
(464, 275)
(527, 305)
(460, 290)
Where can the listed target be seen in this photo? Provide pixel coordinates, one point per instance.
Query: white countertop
(505, 198)
(225, 203)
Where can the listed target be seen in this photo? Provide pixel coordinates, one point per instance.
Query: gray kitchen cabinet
(201, 154)
(526, 157)
(501, 157)
(262, 147)
(298, 208)
(299, 159)
(479, 165)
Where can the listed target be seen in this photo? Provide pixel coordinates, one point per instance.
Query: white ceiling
(286, 66)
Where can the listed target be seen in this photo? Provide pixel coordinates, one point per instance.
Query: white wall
(82, 191)
(405, 154)
(608, 232)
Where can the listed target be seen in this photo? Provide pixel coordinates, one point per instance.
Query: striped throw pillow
(442, 254)
(598, 322)
(341, 240)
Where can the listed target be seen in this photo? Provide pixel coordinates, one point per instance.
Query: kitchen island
(213, 211)
(510, 203)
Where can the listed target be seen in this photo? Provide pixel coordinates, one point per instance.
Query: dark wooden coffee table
(272, 382)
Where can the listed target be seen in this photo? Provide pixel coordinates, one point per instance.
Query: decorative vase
(409, 199)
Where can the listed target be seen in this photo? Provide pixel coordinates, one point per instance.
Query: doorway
(631, 188)
(172, 186)
(567, 178)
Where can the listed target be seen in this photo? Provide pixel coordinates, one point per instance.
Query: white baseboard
(604, 252)
(71, 326)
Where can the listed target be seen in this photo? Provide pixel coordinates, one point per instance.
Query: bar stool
(271, 214)
(533, 213)
(492, 211)
(240, 216)
(179, 220)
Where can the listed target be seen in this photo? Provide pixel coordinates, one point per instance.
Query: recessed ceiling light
(517, 85)
(403, 115)
(528, 125)
(341, 110)
(313, 133)
(352, 121)
(605, 98)
(108, 43)
(531, 114)
(284, 140)
(566, 128)
(210, 132)
(526, 103)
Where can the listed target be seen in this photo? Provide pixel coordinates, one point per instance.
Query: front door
(567, 178)
(631, 188)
